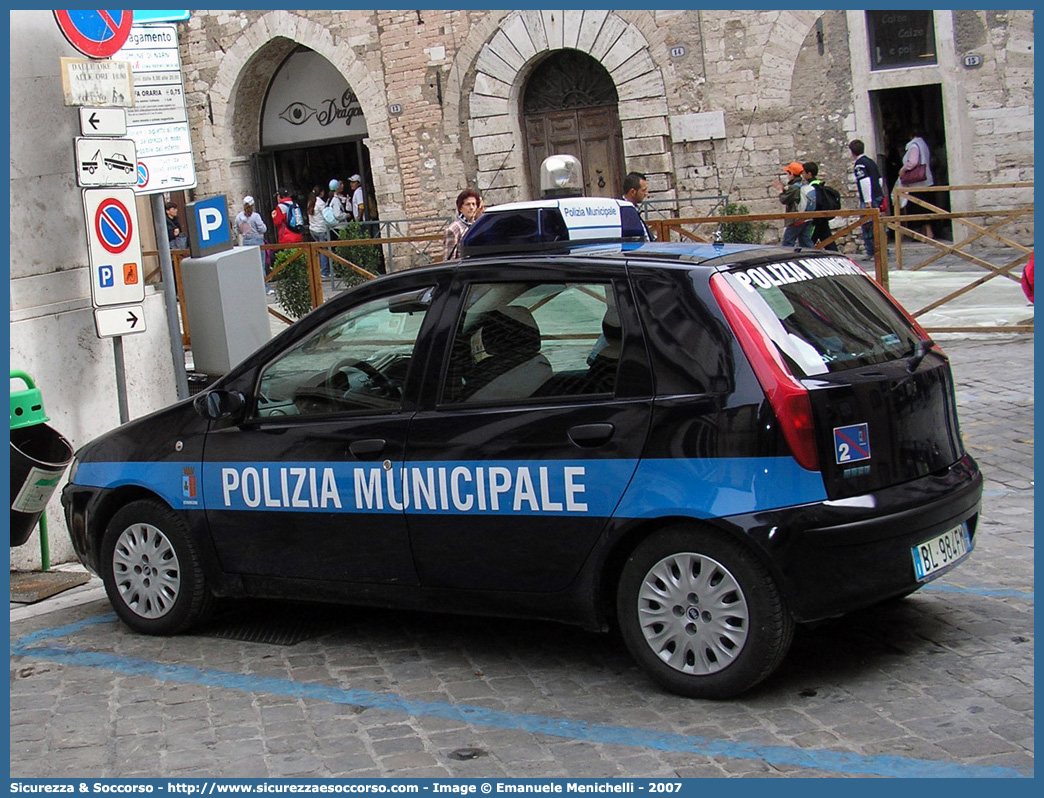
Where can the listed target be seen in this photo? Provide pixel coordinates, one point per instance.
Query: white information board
(158, 120)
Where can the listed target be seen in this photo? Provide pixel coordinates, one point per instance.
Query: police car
(699, 445)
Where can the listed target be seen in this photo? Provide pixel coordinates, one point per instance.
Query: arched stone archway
(231, 126)
(506, 57)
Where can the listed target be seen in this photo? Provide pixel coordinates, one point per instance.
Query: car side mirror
(218, 404)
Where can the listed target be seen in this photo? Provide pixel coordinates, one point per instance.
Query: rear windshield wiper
(921, 348)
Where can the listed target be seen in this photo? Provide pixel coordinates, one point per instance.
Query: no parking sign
(99, 34)
(113, 246)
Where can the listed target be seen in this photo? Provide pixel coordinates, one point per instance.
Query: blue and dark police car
(699, 445)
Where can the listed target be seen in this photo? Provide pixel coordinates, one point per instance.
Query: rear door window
(825, 314)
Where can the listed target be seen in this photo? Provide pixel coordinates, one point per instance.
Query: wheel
(700, 614)
(151, 570)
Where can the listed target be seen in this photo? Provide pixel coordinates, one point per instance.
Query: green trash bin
(39, 457)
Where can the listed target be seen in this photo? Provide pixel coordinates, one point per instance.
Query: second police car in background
(700, 445)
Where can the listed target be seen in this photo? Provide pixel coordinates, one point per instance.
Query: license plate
(935, 554)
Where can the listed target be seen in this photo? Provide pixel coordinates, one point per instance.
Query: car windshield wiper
(921, 348)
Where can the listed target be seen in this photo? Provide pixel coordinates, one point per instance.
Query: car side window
(356, 361)
(518, 341)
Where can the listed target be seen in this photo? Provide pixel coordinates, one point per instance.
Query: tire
(152, 571)
(700, 614)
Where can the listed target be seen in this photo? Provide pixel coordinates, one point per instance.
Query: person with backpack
(288, 218)
(797, 197)
(338, 211)
(869, 188)
(827, 199)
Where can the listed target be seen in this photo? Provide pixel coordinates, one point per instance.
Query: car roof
(684, 254)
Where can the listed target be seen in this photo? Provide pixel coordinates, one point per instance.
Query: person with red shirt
(284, 202)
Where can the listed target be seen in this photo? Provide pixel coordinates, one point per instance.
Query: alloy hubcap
(146, 570)
(693, 613)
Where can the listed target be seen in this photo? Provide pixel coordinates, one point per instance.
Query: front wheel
(700, 614)
(152, 571)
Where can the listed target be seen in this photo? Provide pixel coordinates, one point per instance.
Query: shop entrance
(312, 130)
(903, 113)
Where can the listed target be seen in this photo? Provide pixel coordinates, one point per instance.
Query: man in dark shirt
(868, 186)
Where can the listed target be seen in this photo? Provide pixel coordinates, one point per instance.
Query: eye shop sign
(310, 100)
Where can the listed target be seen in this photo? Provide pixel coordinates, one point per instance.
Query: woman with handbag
(916, 172)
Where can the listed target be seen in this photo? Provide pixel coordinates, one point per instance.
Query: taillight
(788, 397)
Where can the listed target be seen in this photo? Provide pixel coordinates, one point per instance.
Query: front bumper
(837, 556)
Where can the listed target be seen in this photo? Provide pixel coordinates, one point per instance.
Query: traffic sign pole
(177, 351)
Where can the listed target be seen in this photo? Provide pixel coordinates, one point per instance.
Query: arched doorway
(569, 107)
(312, 130)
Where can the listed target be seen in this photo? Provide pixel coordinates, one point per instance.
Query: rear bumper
(838, 556)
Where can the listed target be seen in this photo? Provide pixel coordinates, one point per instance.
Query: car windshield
(824, 314)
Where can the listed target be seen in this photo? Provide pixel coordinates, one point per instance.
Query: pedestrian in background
(281, 217)
(916, 172)
(175, 235)
(821, 224)
(869, 189)
(318, 229)
(469, 204)
(358, 198)
(251, 229)
(636, 188)
(340, 209)
(249, 224)
(796, 197)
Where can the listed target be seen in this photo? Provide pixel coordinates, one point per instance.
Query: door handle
(591, 434)
(368, 448)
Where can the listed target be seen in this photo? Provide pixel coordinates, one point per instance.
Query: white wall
(53, 337)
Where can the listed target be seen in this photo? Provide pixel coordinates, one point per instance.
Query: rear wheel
(151, 570)
(700, 614)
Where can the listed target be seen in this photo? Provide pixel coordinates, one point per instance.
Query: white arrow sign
(122, 320)
(103, 121)
(106, 162)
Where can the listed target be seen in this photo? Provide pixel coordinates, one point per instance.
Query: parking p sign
(208, 228)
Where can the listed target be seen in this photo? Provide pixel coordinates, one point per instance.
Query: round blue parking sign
(99, 34)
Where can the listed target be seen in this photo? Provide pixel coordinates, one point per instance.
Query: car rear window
(824, 314)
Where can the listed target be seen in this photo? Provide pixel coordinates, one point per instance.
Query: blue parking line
(37, 645)
(981, 591)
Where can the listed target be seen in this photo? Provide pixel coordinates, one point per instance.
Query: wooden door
(592, 135)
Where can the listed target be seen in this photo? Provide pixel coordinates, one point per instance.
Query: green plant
(365, 257)
(741, 232)
(291, 284)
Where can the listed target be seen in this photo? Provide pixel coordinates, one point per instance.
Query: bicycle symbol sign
(112, 223)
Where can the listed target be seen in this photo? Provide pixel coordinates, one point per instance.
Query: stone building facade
(709, 103)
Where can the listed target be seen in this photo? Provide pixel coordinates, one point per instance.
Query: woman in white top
(916, 159)
(317, 226)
